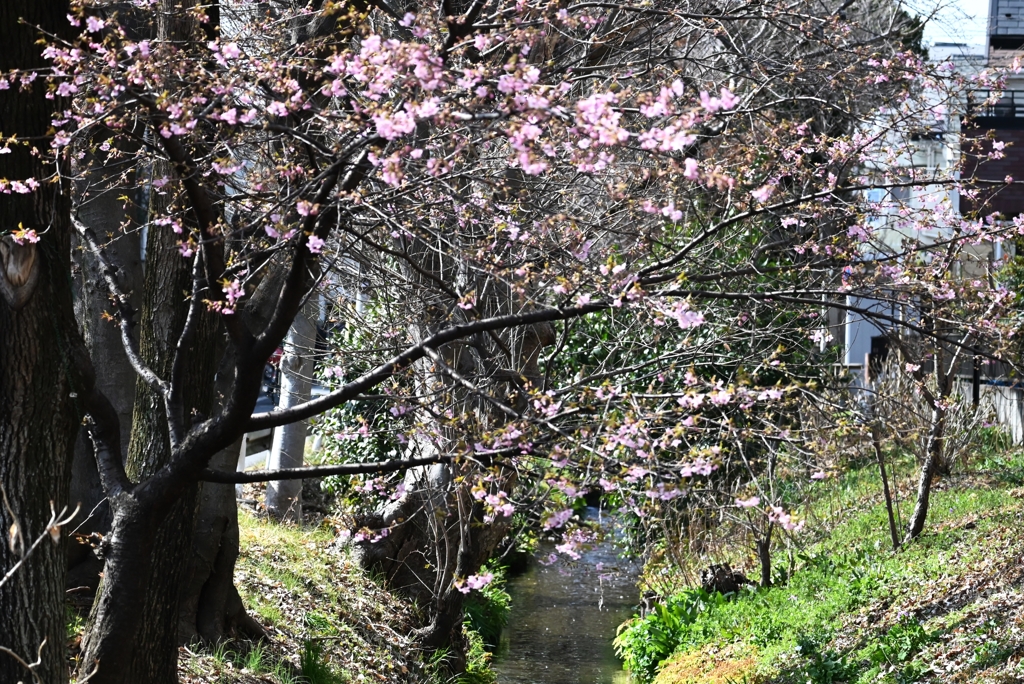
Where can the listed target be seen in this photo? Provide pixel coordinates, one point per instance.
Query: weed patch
(946, 608)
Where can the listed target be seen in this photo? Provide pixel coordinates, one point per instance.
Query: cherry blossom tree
(683, 182)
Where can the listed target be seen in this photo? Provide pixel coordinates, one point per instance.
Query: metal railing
(984, 103)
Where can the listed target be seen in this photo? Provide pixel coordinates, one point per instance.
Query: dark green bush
(643, 642)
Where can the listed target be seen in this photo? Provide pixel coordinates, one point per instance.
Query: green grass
(315, 669)
(319, 623)
(478, 660)
(848, 612)
(74, 622)
(226, 660)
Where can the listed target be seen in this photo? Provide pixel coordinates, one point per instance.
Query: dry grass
(305, 589)
(711, 665)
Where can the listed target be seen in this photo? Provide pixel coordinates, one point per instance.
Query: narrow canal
(564, 618)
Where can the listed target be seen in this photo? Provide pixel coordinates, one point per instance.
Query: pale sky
(956, 21)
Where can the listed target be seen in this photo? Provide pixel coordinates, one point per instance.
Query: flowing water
(564, 618)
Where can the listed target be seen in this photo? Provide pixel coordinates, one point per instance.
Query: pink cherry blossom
(763, 193)
(727, 100)
(558, 519)
(395, 125)
(785, 520)
(314, 244)
(233, 291)
(690, 169)
(475, 582)
(22, 236)
(821, 336)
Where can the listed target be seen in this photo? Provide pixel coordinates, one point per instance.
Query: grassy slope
(318, 607)
(948, 608)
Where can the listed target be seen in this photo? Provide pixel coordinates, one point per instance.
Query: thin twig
(30, 667)
(52, 528)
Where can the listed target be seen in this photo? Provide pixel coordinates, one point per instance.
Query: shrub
(644, 642)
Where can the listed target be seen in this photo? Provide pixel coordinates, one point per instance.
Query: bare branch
(125, 312)
(174, 406)
(414, 353)
(105, 433)
(31, 667)
(320, 471)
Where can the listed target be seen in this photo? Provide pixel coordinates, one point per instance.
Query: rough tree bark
(210, 606)
(42, 372)
(155, 549)
(174, 566)
(164, 310)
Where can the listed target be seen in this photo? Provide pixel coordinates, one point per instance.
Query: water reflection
(564, 619)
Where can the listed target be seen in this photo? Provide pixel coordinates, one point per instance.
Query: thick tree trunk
(213, 553)
(159, 571)
(117, 616)
(167, 276)
(197, 586)
(211, 607)
(284, 497)
(39, 418)
(158, 568)
(40, 379)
